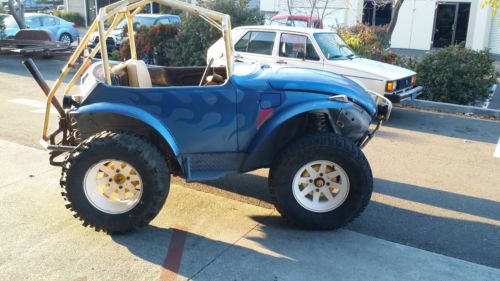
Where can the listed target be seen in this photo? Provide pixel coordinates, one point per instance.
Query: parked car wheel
(116, 182)
(66, 38)
(321, 181)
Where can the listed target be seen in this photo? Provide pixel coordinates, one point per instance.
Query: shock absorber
(318, 122)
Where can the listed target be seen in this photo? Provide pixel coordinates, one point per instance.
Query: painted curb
(451, 108)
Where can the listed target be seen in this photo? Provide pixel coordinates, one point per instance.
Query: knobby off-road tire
(341, 160)
(144, 171)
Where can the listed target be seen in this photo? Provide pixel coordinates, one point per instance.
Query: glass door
(451, 23)
(444, 25)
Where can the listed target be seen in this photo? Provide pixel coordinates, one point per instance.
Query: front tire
(321, 181)
(66, 38)
(115, 182)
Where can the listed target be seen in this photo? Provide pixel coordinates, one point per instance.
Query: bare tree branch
(324, 10)
(289, 5)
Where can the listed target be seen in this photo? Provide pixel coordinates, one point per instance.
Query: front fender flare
(137, 113)
(258, 151)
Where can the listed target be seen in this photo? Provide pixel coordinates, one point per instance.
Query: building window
(377, 12)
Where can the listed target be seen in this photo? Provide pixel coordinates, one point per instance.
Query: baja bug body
(133, 125)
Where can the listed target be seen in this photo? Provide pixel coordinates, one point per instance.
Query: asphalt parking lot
(434, 214)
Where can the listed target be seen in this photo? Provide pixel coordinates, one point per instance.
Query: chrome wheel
(113, 186)
(320, 186)
(65, 38)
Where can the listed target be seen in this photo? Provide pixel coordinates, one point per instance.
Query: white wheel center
(113, 186)
(320, 186)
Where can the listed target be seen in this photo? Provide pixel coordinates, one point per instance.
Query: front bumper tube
(384, 109)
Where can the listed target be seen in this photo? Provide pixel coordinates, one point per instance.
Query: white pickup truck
(318, 49)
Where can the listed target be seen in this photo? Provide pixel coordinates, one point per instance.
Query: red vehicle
(296, 20)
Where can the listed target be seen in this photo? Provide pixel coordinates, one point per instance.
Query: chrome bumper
(412, 93)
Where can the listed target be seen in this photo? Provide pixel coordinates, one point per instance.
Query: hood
(371, 68)
(312, 80)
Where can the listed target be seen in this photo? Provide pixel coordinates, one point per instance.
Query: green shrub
(408, 62)
(457, 75)
(169, 11)
(115, 55)
(154, 44)
(367, 41)
(71, 17)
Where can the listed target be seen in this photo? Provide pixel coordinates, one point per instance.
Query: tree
(16, 8)
(2, 26)
(315, 8)
(494, 4)
(196, 35)
(394, 17)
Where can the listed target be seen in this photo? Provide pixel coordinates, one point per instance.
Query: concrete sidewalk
(224, 240)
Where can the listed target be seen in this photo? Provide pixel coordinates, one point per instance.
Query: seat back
(138, 74)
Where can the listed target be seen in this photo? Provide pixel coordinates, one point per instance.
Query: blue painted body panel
(199, 120)
(320, 81)
(233, 118)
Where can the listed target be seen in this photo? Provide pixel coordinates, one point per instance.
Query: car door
(256, 45)
(51, 24)
(298, 50)
(33, 23)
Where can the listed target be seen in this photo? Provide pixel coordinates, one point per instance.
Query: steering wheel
(205, 74)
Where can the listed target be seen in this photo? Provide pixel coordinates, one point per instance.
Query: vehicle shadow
(444, 124)
(277, 249)
(418, 226)
(50, 68)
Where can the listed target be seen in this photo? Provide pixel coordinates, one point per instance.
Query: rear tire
(115, 182)
(321, 181)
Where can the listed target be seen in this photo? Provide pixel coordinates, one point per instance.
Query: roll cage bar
(122, 9)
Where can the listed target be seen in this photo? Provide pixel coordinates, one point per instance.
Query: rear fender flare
(136, 113)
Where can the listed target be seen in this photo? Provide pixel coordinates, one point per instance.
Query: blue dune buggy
(132, 125)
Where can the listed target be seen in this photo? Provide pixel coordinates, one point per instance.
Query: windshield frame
(349, 55)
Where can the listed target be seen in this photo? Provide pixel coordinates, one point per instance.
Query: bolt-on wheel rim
(320, 186)
(65, 38)
(113, 186)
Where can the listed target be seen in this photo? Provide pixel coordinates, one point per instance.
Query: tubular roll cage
(118, 10)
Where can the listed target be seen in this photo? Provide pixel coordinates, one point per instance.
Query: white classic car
(318, 49)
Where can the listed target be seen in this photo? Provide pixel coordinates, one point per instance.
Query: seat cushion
(138, 74)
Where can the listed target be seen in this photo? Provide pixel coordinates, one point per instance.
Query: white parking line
(39, 107)
(497, 150)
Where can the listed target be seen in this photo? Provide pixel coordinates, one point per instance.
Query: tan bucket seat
(137, 72)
